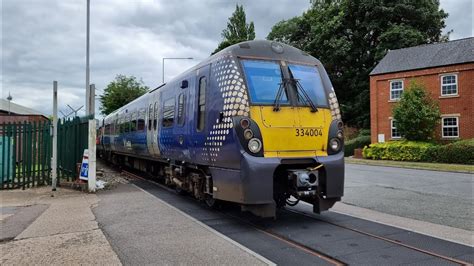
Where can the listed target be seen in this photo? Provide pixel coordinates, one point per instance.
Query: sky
(44, 40)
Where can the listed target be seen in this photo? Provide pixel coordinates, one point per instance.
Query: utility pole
(54, 160)
(87, 56)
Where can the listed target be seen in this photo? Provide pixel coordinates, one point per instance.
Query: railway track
(307, 249)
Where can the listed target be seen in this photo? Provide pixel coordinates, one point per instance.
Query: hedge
(461, 152)
(357, 143)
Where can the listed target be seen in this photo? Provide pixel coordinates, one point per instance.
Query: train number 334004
(309, 132)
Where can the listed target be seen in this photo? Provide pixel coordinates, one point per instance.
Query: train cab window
(264, 79)
(168, 113)
(201, 104)
(150, 116)
(155, 114)
(181, 109)
(310, 80)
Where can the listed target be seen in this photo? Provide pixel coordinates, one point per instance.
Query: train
(257, 124)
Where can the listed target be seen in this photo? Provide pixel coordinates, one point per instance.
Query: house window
(393, 129)
(450, 127)
(396, 89)
(449, 85)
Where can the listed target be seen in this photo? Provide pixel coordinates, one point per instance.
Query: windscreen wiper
(305, 95)
(281, 89)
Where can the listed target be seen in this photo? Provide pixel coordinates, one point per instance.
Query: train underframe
(289, 181)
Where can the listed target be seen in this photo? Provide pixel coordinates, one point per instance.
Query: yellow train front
(286, 117)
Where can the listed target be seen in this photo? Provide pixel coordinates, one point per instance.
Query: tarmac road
(444, 198)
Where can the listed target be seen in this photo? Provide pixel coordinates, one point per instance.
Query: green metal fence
(25, 152)
(72, 140)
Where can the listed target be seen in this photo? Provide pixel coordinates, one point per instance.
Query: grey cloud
(44, 41)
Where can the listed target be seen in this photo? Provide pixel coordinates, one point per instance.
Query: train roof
(267, 49)
(258, 49)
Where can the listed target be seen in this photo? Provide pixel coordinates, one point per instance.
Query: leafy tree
(238, 30)
(121, 91)
(351, 36)
(416, 114)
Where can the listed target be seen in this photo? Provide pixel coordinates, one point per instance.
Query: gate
(72, 140)
(25, 152)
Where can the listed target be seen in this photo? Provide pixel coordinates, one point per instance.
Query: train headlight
(335, 144)
(340, 135)
(244, 123)
(248, 134)
(255, 145)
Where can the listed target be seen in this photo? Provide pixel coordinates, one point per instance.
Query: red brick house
(445, 69)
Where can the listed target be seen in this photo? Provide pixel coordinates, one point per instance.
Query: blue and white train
(257, 124)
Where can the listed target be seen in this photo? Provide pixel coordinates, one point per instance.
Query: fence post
(92, 157)
(54, 162)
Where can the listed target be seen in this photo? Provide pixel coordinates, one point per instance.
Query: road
(433, 196)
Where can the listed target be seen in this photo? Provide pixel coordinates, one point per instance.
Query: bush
(364, 132)
(357, 143)
(461, 152)
(397, 151)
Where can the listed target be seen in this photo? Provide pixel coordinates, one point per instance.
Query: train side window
(181, 109)
(141, 119)
(150, 115)
(127, 123)
(155, 114)
(133, 122)
(201, 104)
(168, 113)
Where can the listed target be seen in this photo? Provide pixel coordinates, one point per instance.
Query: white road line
(210, 229)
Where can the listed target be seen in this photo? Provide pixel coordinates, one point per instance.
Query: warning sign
(84, 174)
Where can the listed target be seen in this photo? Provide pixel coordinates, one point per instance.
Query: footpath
(37, 229)
(121, 225)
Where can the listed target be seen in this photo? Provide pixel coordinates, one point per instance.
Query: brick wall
(460, 105)
(14, 118)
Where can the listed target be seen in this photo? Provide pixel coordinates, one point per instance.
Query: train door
(153, 126)
(149, 126)
(199, 128)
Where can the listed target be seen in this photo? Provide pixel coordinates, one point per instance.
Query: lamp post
(87, 56)
(9, 98)
(170, 58)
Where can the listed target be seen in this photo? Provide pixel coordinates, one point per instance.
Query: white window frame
(392, 127)
(393, 81)
(455, 83)
(450, 126)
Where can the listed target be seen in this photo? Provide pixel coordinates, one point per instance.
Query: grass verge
(461, 168)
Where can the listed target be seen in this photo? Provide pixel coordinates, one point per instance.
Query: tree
(416, 114)
(238, 30)
(351, 36)
(121, 91)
